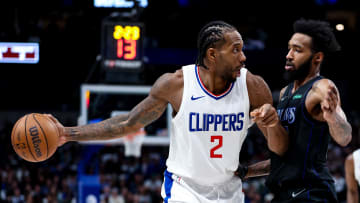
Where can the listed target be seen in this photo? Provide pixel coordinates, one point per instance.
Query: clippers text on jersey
(215, 122)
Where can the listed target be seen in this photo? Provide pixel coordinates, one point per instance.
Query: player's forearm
(352, 196)
(108, 129)
(259, 169)
(340, 129)
(277, 139)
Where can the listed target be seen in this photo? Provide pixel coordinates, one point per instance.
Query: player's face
(230, 57)
(299, 57)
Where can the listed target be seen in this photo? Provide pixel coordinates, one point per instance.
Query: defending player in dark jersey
(309, 108)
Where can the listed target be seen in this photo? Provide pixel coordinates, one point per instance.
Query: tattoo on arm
(143, 114)
(341, 129)
(106, 129)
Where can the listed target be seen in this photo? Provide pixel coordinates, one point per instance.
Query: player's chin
(233, 79)
(236, 74)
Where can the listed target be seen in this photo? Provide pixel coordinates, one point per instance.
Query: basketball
(35, 137)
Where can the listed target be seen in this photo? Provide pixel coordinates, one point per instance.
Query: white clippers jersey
(208, 131)
(356, 157)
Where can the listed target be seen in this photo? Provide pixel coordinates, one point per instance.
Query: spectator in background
(115, 197)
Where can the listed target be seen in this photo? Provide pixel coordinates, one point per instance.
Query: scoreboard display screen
(122, 45)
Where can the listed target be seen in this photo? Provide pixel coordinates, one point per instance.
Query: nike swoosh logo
(196, 98)
(298, 193)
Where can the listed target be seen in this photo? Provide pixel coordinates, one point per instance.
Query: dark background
(69, 35)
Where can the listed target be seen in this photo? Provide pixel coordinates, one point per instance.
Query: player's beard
(230, 76)
(301, 72)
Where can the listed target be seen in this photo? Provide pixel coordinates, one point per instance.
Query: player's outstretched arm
(352, 194)
(261, 168)
(265, 115)
(147, 111)
(325, 94)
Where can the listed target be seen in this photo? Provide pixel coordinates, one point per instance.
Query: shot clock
(122, 45)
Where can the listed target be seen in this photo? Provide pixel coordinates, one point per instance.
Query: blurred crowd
(126, 179)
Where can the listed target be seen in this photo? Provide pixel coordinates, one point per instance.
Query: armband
(242, 171)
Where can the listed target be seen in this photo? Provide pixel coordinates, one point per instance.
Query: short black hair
(323, 37)
(209, 35)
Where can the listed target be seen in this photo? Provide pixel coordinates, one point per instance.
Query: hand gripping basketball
(61, 129)
(35, 137)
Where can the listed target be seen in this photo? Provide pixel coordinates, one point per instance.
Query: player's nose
(242, 57)
(290, 55)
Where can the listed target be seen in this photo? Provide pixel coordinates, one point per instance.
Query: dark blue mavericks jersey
(303, 166)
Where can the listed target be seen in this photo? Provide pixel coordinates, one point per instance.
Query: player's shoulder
(168, 83)
(171, 79)
(323, 83)
(349, 159)
(254, 81)
(320, 87)
(258, 90)
(253, 78)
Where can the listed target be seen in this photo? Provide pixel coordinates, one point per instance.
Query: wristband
(242, 171)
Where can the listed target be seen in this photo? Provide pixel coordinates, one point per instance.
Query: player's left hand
(61, 129)
(265, 116)
(330, 103)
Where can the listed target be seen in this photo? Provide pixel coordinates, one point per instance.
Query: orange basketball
(35, 137)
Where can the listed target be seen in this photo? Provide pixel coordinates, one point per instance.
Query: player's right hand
(61, 129)
(265, 116)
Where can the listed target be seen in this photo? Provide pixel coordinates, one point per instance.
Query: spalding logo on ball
(35, 137)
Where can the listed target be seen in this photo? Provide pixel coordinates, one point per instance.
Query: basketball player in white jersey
(352, 176)
(212, 102)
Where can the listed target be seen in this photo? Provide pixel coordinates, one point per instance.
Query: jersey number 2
(220, 143)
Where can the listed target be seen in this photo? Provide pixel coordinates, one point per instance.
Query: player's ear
(318, 57)
(211, 54)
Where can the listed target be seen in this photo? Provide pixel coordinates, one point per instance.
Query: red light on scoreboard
(15, 52)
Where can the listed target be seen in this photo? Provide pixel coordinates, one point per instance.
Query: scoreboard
(122, 45)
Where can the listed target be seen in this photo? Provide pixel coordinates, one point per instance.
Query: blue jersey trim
(208, 92)
(168, 185)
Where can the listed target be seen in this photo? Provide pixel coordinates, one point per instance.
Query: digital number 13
(126, 49)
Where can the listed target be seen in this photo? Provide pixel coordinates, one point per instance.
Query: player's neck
(301, 82)
(212, 82)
